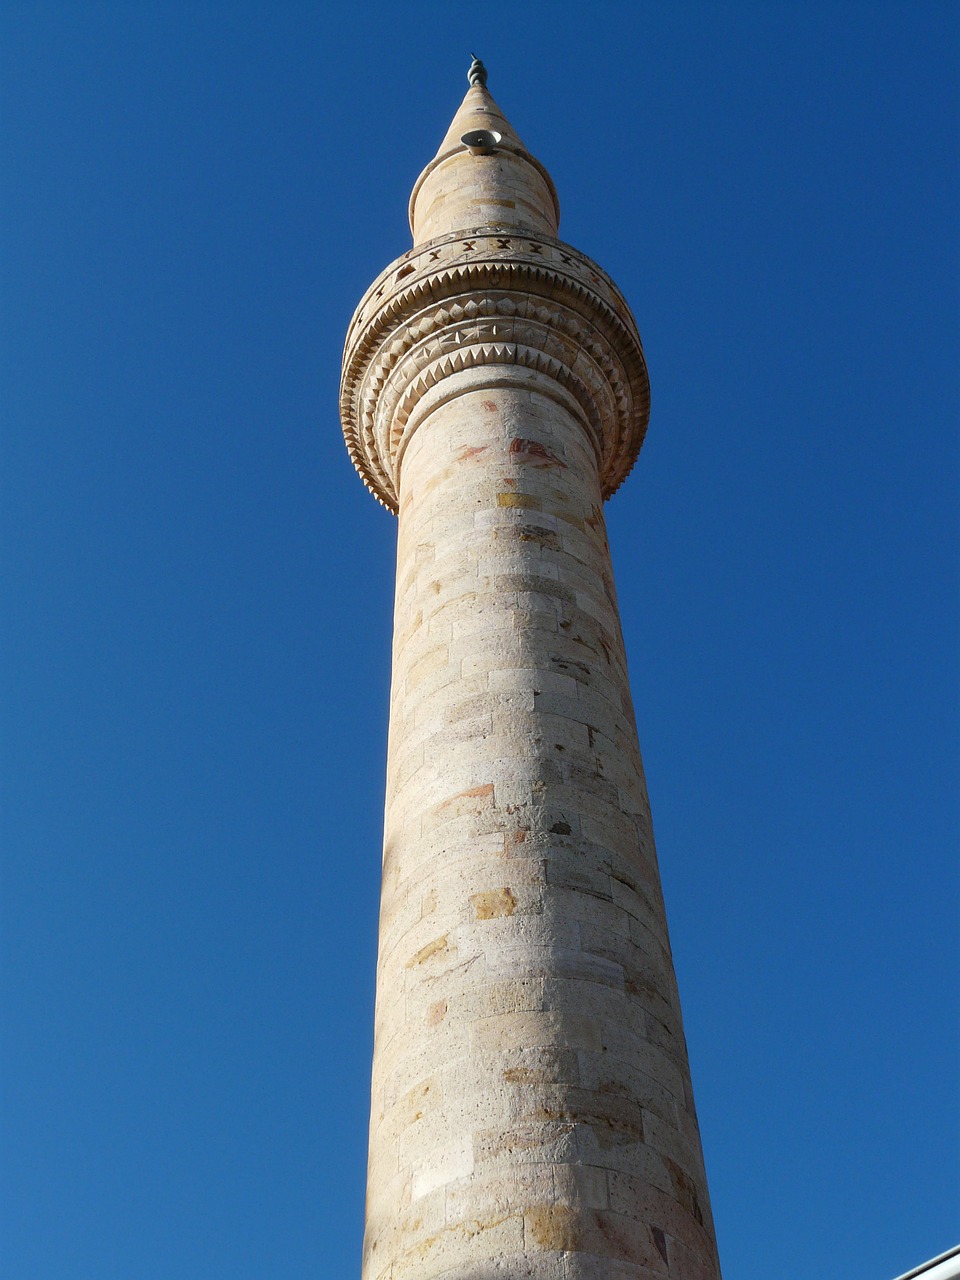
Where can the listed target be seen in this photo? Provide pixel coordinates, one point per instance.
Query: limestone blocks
(496, 297)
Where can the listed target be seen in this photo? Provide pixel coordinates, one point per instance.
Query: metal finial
(477, 75)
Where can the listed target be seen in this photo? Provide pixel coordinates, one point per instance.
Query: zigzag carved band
(488, 297)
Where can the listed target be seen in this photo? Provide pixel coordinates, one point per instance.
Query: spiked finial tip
(477, 75)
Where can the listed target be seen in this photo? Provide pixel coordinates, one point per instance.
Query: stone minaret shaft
(531, 1109)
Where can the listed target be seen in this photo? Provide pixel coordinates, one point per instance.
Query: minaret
(531, 1111)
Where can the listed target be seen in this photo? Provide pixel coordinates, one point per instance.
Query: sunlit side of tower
(531, 1113)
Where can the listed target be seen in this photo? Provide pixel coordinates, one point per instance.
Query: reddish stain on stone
(489, 405)
(469, 801)
(485, 790)
(436, 1013)
(534, 454)
(470, 451)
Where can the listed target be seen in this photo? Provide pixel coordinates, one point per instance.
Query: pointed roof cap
(478, 110)
(492, 134)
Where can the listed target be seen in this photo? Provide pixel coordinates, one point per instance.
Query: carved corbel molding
(490, 298)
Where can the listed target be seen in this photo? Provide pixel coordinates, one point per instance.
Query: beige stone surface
(531, 1107)
(458, 189)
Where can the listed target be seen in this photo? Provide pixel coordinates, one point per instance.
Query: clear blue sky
(197, 600)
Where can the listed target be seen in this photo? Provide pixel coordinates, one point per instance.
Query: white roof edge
(946, 1266)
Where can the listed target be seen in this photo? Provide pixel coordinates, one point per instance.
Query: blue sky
(197, 600)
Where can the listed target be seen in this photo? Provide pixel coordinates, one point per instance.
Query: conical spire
(482, 174)
(478, 111)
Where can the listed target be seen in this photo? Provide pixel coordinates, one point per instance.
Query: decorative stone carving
(491, 297)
